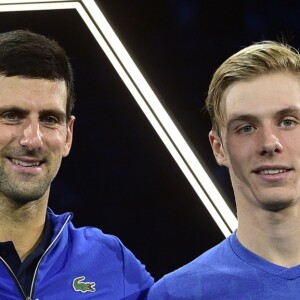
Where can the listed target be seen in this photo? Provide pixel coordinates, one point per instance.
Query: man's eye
(50, 120)
(246, 129)
(288, 123)
(11, 116)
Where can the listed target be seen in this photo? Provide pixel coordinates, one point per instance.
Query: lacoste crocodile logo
(80, 286)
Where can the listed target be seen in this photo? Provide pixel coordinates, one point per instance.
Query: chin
(276, 206)
(25, 196)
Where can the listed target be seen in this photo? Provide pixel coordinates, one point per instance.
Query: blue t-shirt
(229, 271)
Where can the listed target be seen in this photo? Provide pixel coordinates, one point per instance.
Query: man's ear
(69, 137)
(217, 147)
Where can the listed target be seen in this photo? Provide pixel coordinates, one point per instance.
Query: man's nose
(32, 137)
(270, 142)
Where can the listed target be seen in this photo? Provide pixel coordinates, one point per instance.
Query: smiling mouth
(271, 171)
(25, 163)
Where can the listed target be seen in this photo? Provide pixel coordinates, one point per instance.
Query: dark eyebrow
(14, 108)
(61, 115)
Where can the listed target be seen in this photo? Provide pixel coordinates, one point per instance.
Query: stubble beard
(23, 189)
(23, 192)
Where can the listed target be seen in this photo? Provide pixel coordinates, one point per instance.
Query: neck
(22, 224)
(274, 236)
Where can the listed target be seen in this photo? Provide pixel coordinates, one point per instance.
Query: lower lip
(274, 177)
(35, 170)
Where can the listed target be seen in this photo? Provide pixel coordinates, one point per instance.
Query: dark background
(119, 175)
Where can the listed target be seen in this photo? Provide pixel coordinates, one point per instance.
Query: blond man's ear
(217, 147)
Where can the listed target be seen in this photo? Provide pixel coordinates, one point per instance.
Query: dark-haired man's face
(34, 136)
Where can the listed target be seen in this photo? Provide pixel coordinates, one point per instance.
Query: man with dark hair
(42, 255)
(254, 104)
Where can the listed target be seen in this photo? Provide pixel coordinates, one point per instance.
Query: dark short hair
(27, 54)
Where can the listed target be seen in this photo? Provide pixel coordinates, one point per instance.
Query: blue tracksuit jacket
(80, 263)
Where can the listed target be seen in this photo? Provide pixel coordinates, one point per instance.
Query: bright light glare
(148, 102)
(37, 5)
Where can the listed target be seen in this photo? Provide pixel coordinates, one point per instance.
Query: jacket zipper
(16, 280)
(39, 262)
(36, 269)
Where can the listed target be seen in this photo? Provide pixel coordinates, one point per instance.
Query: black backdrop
(119, 176)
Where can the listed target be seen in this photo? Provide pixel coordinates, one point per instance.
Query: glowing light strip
(150, 105)
(160, 120)
(28, 3)
(6, 6)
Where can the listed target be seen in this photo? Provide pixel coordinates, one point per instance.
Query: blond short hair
(258, 59)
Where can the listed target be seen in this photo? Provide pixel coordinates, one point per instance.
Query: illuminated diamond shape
(147, 101)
